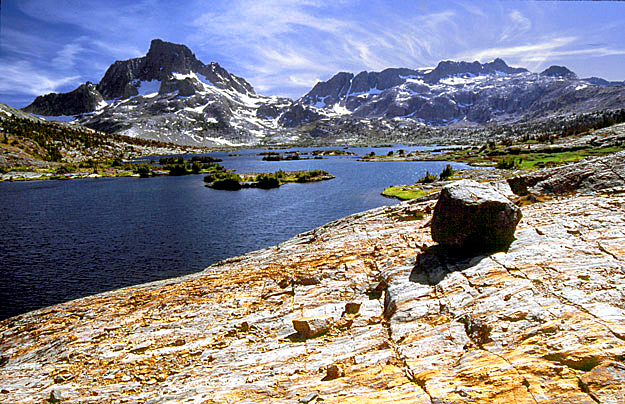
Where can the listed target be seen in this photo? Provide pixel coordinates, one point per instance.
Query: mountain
(454, 92)
(124, 79)
(169, 95)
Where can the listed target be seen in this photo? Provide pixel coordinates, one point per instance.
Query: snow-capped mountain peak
(170, 95)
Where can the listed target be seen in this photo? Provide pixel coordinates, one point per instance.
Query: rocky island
(364, 309)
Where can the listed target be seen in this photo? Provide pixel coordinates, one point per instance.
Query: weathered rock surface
(474, 217)
(543, 322)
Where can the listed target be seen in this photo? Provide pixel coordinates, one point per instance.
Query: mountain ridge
(169, 95)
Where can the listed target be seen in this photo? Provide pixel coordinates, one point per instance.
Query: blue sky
(284, 47)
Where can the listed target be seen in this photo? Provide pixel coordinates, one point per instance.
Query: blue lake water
(68, 239)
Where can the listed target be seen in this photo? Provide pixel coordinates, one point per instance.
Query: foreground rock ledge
(543, 322)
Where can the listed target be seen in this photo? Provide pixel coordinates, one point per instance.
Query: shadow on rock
(436, 262)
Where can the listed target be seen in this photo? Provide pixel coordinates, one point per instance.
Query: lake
(68, 239)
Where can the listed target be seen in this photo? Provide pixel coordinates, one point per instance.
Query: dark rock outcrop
(329, 92)
(558, 71)
(298, 114)
(474, 218)
(598, 81)
(83, 99)
(589, 175)
(365, 81)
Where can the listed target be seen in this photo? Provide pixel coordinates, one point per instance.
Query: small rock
(374, 291)
(55, 396)
(477, 330)
(344, 322)
(474, 217)
(4, 391)
(352, 308)
(310, 327)
(139, 349)
(334, 371)
(312, 397)
(179, 342)
(308, 280)
(62, 378)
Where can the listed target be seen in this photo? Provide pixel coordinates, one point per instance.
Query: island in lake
(230, 181)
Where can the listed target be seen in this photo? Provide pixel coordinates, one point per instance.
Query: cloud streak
(536, 55)
(66, 57)
(518, 25)
(24, 77)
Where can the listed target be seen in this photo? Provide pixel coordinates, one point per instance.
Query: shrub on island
(267, 181)
(226, 184)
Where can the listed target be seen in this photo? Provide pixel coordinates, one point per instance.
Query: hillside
(30, 142)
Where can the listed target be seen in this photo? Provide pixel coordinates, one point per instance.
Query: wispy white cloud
(537, 50)
(304, 80)
(473, 9)
(535, 55)
(66, 57)
(517, 25)
(25, 44)
(20, 77)
(120, 50)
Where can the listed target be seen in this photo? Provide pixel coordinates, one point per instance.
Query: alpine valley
(169, 95)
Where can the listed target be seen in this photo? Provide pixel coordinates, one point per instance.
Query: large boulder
(474, 217)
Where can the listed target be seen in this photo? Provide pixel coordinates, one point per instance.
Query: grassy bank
(407, 192)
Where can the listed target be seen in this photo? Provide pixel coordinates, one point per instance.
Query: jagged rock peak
(162, 60)
(336, 88)
(342, 84)
(558, 71)
(168, 57)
